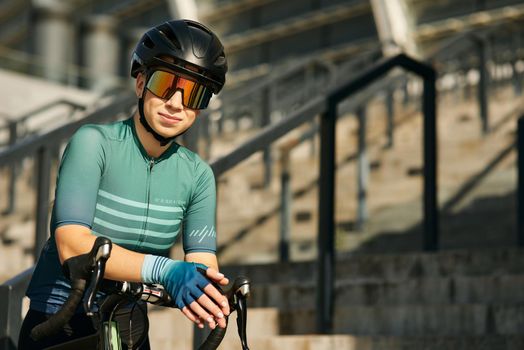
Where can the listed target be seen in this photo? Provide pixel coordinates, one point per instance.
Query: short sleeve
(199, 221)
(80, 171)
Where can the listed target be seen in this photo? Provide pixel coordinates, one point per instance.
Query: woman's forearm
(123, 265)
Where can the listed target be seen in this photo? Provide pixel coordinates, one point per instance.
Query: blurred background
(366, 154)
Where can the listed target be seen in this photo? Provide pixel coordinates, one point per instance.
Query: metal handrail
(239, 94)
(11, 294)
(28, 115)
(31, 145)
(326, 106)
(44, 145)
(12, 123)
(461, 43)
(326, 221)
(266, 86)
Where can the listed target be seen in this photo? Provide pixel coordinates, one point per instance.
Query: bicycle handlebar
(77, 269)
(58, 320)
(236, 297)
(90, 268)
(157, 295)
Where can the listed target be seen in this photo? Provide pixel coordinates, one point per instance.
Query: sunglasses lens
(164, 84)
(161, 84)
(195, 94)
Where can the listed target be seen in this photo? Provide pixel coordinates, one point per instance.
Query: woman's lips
(169, 118)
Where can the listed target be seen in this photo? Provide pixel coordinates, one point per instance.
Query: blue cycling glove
(182, 280)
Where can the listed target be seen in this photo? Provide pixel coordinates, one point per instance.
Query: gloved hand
(182, 280)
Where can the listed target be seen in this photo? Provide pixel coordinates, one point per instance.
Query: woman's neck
(148, 141)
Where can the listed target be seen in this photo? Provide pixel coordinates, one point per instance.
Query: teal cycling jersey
(108, 183)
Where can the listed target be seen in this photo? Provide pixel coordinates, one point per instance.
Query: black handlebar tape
(58, 320)
(214, 338)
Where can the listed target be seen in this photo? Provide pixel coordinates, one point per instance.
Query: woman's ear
(139, 84)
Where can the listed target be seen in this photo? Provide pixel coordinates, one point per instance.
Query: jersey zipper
(150, 164)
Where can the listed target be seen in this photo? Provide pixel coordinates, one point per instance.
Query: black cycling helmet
(186, 42)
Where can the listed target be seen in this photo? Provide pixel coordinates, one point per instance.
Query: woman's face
(168, 117)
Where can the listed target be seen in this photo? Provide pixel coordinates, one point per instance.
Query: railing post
(390, 106)
(192, 136)
(362, 169)
(220, 122)
(326, 222)
(206, 135)
(405, 89)
(11, 296)
(312, 143)
(13, 135)
(285, 206)
(482, 91)
(431, 222)
(8, 341)
(520, 182)
(309, 82)
(42, 199)
(468, 89)
(517, 83)
(265, 121)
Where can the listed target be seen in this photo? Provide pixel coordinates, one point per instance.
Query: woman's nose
(176, 100)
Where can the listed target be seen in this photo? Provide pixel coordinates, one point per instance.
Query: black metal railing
(327, 108)
(275, 93)
(11, 294)
(44, 147)
(457, 48)
(14, 127)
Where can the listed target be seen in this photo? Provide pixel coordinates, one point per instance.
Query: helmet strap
(163, 140)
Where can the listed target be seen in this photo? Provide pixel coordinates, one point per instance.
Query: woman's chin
(168, 132)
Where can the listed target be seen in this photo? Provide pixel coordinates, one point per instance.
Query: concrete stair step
(20, 234)
(505, 289)
(392, 267)
(412, 320)
(16, 259)
(170, 329)
(349, 342)
(16, 247)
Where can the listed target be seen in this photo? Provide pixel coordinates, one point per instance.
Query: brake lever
(239, 294)
(97, 276)
(99, 255)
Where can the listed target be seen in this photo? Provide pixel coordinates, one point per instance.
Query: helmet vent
(166, 30)
(148, 42)
(220, 61)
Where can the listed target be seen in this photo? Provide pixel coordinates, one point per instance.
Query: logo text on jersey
(203, 233)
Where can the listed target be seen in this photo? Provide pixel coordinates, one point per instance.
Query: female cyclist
(131, 182)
